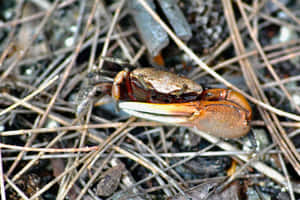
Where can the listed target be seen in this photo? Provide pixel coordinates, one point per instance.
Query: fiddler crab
(168, 98)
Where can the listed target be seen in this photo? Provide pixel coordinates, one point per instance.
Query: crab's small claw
(219, 118)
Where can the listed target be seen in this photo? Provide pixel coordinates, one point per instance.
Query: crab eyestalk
(219, 118)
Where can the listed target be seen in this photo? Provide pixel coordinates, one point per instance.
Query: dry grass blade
(22, 55)
(48, 150)
(36, 92)
(213, 73)
(285, 144)
(279, 134)
(60, 57)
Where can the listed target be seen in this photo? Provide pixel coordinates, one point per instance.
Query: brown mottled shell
(165, 82)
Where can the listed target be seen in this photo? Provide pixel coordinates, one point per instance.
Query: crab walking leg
(219, 118)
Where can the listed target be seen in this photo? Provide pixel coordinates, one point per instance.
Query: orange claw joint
(220, 112)
(230, 96)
